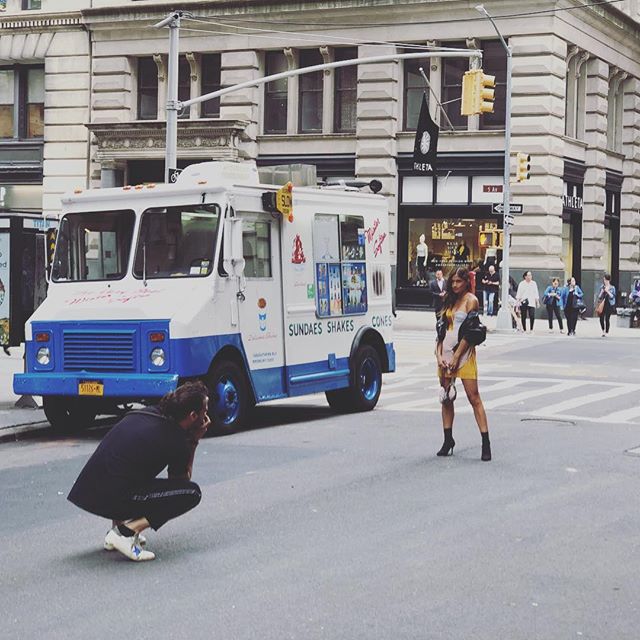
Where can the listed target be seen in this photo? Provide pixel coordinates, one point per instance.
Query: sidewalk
(15, 421)
(589, 328)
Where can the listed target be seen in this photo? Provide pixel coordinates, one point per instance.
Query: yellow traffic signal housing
(470, 85)
(486, 93)
(477, 93)
(523, 167)
(486, 239)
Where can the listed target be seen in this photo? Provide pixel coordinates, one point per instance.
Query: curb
(13, 433)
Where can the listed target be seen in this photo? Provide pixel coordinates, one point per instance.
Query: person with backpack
(606, 303)
(552, 299)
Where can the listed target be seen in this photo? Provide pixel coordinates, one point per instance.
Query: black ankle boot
(449, 443)
(486, 448)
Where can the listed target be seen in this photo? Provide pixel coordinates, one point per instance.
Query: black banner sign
(425, 149)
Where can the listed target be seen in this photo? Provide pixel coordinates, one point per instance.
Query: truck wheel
(229, 399)
(67, 414)
(364, 391)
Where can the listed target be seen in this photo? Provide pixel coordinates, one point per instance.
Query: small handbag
(524, 303)
(600, 307)
(448, 393)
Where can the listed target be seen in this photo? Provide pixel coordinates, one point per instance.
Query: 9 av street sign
(514, 209)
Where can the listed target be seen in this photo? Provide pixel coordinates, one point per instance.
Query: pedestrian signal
(487, 239)
(478, 93)
(523, 167)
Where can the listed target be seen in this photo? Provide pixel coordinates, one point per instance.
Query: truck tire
(364, 391)
(67, 414)
(229, 397)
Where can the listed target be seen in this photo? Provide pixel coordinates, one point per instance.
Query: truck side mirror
(233, 260)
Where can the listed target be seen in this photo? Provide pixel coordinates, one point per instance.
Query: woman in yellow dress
(458, 360)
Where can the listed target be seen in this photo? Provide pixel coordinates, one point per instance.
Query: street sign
(173, 174)
(514, 209)
(509, 219)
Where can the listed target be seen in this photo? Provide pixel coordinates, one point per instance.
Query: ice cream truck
(262, 292)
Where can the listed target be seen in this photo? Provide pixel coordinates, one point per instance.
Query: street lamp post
(503, 322)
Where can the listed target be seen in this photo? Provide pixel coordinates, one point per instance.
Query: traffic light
(486, 93)
(487, 239)
(477, 93)
(469, 89)
(523, 167)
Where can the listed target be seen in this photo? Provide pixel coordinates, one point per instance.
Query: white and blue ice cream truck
(205, 279)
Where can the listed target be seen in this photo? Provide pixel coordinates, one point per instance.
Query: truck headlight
(43, 356)
(157, 357)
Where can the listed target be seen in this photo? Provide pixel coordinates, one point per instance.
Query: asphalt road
(321, 526)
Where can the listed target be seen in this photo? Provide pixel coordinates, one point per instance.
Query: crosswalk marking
(574, 403)
(532, 393)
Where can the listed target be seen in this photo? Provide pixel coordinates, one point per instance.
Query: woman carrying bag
(573, 302)
(552, 299)
(606, 303)
(459, 331)
(528, 299)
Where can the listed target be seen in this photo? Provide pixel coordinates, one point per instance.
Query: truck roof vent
(219, 174)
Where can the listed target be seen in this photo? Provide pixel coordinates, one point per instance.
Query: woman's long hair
(451, 298)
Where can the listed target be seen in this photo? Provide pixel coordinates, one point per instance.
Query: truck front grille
(109, 351)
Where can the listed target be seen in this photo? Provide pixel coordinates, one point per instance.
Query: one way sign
(514, 209)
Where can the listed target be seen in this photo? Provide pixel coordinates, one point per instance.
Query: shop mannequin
(422, 253)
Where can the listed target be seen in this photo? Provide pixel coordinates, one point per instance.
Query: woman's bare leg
(471, 389)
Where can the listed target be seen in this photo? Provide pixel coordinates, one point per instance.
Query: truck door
(260, 313)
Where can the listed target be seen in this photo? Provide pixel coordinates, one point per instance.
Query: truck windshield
(93, 246)
(177, 242)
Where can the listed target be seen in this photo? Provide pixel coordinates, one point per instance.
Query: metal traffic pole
(171, 143)
(503, 321)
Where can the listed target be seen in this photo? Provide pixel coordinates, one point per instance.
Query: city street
(314, 525)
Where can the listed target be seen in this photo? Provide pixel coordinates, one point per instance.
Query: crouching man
(119, 481)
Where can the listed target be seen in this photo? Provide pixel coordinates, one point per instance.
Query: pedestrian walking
(438, 289)
(552, 299)
(528, 299)
(119, 481)
(456, 358)
(606, 303)
(573, 302)
(490, 284)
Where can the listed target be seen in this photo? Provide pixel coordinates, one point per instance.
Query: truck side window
(256, 249)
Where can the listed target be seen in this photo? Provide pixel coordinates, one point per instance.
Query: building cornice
(206, 138)
(41, 22)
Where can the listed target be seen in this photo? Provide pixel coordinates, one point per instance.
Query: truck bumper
(115, 385)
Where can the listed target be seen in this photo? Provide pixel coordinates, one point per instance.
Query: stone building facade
(576, 111)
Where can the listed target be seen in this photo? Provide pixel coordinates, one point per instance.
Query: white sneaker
(128, 546)
(142, 541)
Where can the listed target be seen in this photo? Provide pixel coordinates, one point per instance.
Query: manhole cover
(633, 452)
(549, 420)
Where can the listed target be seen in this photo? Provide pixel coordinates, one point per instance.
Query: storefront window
(446, 243)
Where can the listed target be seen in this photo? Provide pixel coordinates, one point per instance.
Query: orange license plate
(90, 389)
